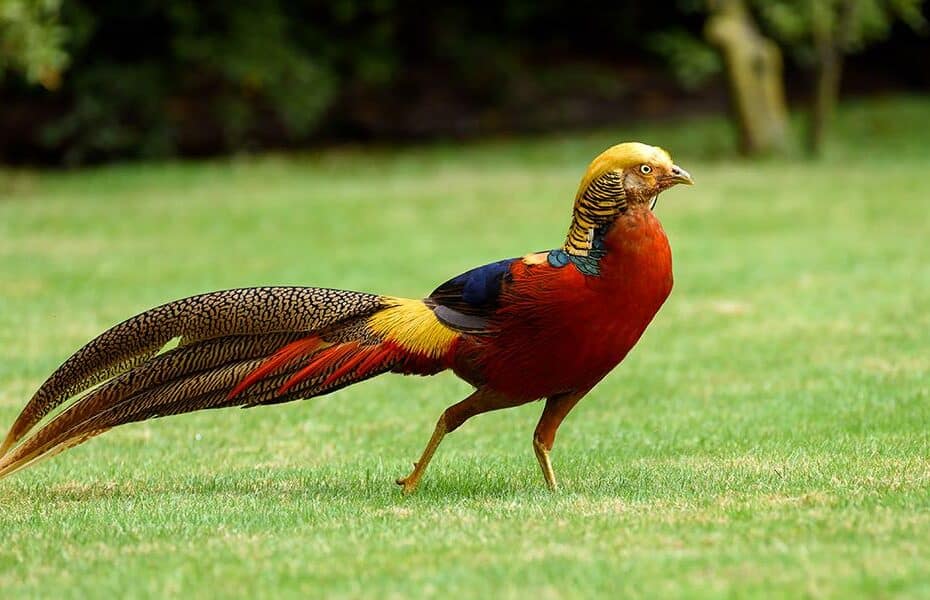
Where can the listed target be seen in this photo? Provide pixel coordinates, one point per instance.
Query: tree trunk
(826, 92)
(831, 33)
(754, 73)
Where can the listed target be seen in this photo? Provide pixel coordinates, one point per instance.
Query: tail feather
(177, 364)
(328, 358)
(246, 311)
(350, 364)
(94, 414)
(244, 348)
(288, 353)
(103, 409)
(325, 379)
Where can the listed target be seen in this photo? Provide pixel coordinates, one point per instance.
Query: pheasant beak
(679, 175)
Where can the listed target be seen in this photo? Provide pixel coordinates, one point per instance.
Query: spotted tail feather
(198, 319)
(119, 402)
(238, 348)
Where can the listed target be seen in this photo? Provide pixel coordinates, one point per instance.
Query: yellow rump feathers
(412, 325)
(619, 157)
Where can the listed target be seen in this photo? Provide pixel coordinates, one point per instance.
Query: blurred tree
(155, 78)
(164, 77)
(817, 34)
(751, 62)
(820, 32)
(754, 73)
(254, 53)
(32, 40)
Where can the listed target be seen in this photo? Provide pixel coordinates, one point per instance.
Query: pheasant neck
(585, 255)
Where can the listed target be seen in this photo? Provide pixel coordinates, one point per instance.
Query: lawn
(769, 436)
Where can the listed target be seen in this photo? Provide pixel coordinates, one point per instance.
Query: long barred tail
(239, 347)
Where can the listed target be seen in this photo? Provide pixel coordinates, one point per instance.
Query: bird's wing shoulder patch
(536, 258)
(467, 302)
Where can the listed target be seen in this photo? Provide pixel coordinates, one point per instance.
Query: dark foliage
(156, 78)
(181, 77)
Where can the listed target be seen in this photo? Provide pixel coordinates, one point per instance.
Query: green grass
(767, 437)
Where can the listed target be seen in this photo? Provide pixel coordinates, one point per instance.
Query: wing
(467, 302)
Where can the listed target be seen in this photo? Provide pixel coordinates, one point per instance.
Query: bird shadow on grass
(286, 489)
(287, 485)
(468, 482)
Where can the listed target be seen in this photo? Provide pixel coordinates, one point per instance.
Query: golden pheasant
(544, 325)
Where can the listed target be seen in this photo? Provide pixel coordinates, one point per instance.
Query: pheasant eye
(645, 169)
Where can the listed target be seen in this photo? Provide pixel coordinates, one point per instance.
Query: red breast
(560, 330)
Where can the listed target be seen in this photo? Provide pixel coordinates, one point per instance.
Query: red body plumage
(559, 330)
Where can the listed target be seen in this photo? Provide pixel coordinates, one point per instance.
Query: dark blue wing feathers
(468, 301)
(482, 286)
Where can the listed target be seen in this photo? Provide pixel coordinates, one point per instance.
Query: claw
(407, 486)
(410, 482)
